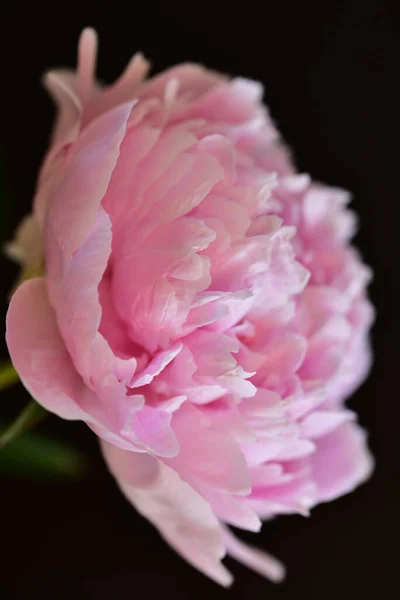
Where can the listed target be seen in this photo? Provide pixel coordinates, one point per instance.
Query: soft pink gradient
(201, 308)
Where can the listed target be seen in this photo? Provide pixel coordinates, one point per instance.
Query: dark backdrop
(329, 72)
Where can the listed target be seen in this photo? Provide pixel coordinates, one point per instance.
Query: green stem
(30, 416)
(8, 375)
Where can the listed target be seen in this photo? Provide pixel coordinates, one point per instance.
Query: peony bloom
(200, 307)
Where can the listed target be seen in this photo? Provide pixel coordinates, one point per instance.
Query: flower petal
(78, 243)
(45, 367)
(200, 444)
(341, 462)
(255, 559)
(179, 513)
(38, 352)
(152, 428)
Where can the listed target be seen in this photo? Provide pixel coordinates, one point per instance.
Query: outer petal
(84, 181)
(62, 87)
(38, 352)
(320, 423)
(255, 559)
(341, 462)
(179, 513)
(78, 237)
(77, 305)
(45, 367)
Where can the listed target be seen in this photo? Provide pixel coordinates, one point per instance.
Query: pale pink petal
(157, 300)
(152, 428)
(38, 352)
(180, 514)
(87, 55)
(226, 417)
(46, 369)
(257, 560)
(199, 444)
(82, 186)
(283, 355)
(295, 495)
(326, 349)
(341, 462)
(232, 510)
(154, 368)
(76, 298)
(269, 474)
(233, 103)
(113, 329)
(320, 422)
(262, 451)
(78, 241)
(296, 449)
(62, 87)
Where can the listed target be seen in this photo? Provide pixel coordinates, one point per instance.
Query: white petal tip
(277, 573)
(88, 34)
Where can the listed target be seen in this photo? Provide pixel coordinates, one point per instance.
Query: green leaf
(8, 375)
(34, 456)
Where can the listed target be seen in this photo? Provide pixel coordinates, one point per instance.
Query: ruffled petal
(152, 428)
(199, 444)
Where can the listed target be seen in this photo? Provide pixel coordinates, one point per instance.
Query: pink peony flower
(200, 308)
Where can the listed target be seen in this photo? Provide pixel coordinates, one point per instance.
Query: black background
(330, 73)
